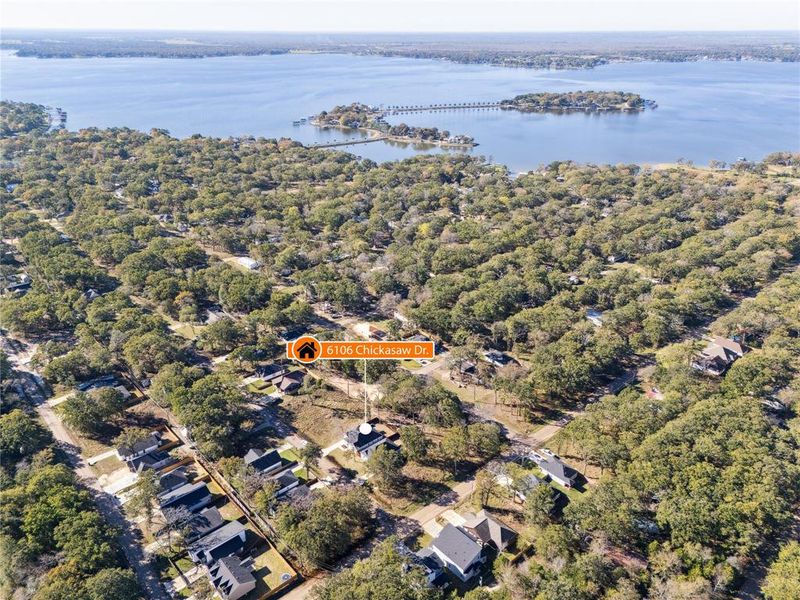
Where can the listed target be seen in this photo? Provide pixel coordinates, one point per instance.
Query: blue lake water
(706, 110)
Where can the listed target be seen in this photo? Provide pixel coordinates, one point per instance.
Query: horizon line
(385, 32)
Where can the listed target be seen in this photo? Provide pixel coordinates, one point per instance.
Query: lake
(706, 110)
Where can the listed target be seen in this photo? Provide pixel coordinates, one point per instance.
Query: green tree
(455, 445)
(539, 505)
(310, 455)
(145, 492)
(112, 584)
(21, 435)
(385, 574)
(386, 464)
(783, 577)
(415, 443)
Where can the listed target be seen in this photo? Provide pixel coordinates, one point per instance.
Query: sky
(403, 15)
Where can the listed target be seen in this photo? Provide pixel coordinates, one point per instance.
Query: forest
(122, 233)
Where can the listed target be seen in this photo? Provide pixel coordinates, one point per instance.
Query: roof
(528, 483)
(187, 494)
(230, 571)
(728, 344)
(553, 466)
(459, 547)
(151, 441)
(149, 460)
(218, 542)
(360, 440)
(271, 370)
(292, 379)
(262, 461)
(286, 480)
(428, 559)
(488, 529)
(173, 479)
(206, 521)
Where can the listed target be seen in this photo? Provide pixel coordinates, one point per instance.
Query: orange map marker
(307, 349)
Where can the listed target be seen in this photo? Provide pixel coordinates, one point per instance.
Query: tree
(415, 444)
(144, 495)
(87, 540)
(310, 455)
(485, 439)
(385, 574)
(112, 584)
(386, 464)
(485, 486)
(265, 499)
(539, 505)
(783, 577)
(130, 436)
(88, 413)
(455, 445)
(20, 436)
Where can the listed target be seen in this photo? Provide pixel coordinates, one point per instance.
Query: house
(717, 356)
(363, 440)
(291, 382)
(498, 359)
(489, 531)
(140, 447)
(595, 317)
(232, 578)
(97, 382)
(91, 294)
(525, 486)
(459, 552)
(286, 482)
(192, 496)
(271, 372)
(573, 279)
(172, 480)
(369, 331)
(248, 262)
(204, 522)
(152, 460)
(433, 566)
(267, 463)
(225, 541)
(552, 466)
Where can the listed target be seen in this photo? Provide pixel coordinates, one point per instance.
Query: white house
(363, 440)
(232, 578)
(461, 553)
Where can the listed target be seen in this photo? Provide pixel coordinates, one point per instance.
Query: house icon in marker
(307, 351)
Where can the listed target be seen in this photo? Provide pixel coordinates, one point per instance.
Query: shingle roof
(457, 546)
(553, 466)
(361, 441)
(185, 495)
(262, 462)
(217, 543)
(151, 441)
(206, 521)
(489, 529)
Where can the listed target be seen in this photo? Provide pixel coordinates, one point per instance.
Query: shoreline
(376, 135)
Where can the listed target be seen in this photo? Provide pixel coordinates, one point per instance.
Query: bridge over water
(397, 109)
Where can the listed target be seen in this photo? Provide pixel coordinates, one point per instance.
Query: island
(589, 101)
(372, 120)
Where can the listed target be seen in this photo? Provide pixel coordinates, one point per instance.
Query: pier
(396, 110)
(334, 144)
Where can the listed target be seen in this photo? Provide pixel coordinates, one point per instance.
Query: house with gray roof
(489, 531)
(268, 462)
(139, 447)
(363, 440)
(717, 356)
(192, 496)
(225, 541)
(459, 552)
(552, 466)
(232, 577)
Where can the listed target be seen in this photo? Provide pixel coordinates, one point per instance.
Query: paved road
(147, 577)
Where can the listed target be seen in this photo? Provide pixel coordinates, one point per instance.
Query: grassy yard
(270, 570)
(322, 417)
(189, 331)
(259, 386)
(107, 465)
(410, 364)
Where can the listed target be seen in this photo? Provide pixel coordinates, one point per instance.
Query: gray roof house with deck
(225, 541)
(717, 356)
(460, 552)
(232, 578)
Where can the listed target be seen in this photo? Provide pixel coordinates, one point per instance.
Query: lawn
(259, 386)
(107, 465)
(270, 570)
(189, 331)
(322, 417)
(410, 363)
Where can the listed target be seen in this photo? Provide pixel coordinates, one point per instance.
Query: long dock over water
(435, 107)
